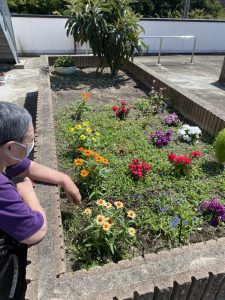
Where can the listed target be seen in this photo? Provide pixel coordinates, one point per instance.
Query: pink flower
(123, 102)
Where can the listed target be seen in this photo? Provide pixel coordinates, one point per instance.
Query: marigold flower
(106, 226)
(108, 205)
(118, 204)
(83, 137)
(131, 214)
(78, 161)
(85, 123)
(101, 202)
(84, 173)
(100, 219)
(97, 133)
(87, 211)
(88, 152)
(78, 126)
(81, 149)
(132, 231)
(88, 130)
(71, 129)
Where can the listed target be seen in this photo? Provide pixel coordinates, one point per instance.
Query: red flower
(183, 159)
(123, 102)
(146, 167)
(172, 157)
(115, 108)
(132, 166)
(195, 154)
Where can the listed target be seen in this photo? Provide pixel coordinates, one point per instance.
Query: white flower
(186, 138)
(186, 127)
(181, 132)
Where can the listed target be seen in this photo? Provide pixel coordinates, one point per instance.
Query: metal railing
(5, 13)
(172, 36)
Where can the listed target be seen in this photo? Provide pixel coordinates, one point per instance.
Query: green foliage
(110, 27)
(219, 146)
(107, 233)
(64, 61)
(156, 200)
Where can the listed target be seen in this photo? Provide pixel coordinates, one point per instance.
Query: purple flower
(171, 120)
(160, 138)
(213, 211)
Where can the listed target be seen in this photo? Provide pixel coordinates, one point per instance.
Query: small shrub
(64, 61)
(160, 139)
(213, 211)
(219, 146)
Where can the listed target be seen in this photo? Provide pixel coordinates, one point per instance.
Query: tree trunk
(222, 74)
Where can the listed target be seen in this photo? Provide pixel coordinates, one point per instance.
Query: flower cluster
(84, 135)
(171, 120)
(160, 138)
(196, 154)
(89, 160)
(139, 168)
(122, 111)
(213, 211)
(189, 133)
(107, 218)
(182, 164)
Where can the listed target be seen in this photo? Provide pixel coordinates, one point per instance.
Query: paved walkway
(21, 85)
(199, 78)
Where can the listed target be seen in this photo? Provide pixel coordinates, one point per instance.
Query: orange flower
(101, 202)
(84, 173)
(106, 226)
(100, 219)
(85, 96)
(131, 214)
(98, 158)
(78, 161)
(80, 149)
(118, 204)
(88, 152)
(105, 161)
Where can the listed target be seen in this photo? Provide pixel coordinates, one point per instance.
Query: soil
(66, 89)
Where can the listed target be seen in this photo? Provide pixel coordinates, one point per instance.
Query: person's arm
(26, 191)
(38, 172)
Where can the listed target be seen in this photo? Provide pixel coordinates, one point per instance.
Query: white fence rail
(47, 35)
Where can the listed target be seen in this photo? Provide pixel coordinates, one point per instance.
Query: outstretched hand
(71, 191)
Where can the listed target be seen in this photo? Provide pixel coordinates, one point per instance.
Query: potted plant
(65, 65)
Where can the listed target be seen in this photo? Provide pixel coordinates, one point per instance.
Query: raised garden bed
(165, 203)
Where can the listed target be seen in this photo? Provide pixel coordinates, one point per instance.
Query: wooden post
(222, 74)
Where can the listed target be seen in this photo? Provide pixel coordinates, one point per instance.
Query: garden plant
(145, 185)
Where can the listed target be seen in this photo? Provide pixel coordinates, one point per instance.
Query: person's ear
(14, 150)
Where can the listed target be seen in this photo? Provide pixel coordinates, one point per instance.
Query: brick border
(190, 272)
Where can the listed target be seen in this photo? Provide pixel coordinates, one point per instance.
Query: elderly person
(21, 215)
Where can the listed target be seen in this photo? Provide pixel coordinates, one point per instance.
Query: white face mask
(28, 150)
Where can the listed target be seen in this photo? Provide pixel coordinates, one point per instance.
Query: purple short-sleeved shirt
(16, 217)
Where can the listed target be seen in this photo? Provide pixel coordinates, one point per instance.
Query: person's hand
(25, 187)
(71, 190)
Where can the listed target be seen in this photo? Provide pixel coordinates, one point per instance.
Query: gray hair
(14, 122)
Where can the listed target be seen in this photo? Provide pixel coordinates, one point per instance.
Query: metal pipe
(193, 51)
(160, 48)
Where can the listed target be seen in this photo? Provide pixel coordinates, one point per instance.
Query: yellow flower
(84, 173)
(131, 214)
(106, 226)
(88, 130)
(87, 211)
(71, 129)
(100, 219)
(83, 137)
(101, 202)
(85, 123)
(94, 139)
(118, 204)
(78, 161)
(97, 133)
(78, 126)
(108, 205)
(132, 231)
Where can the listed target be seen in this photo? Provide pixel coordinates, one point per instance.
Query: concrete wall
(47, 35)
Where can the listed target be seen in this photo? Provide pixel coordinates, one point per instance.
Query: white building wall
(47, 35)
